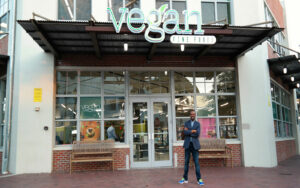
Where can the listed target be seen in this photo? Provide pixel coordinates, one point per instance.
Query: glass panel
(66, 108)
(65, 132)
(223, 10)
(226, 105)
(4, 23)
(161, 131)
(89, 130)
(66, 83)
(159, 3)
(130, 4)
(83, 9)
(277, 94)
(180, 6)
(272, 91)
(275, 128)
(183, 82)
(278, 112)
(115, 5)
(140, 131)
(278, 129)
(114, 83)
(282, 130)
(90, 83)
(206, 106)
(1, 135)
(90, 107)
(208, 127)
(180, 126)
(274, 110)
(65, 9)
(149, 82)
(204, 82)
(115, 129)
(208, 12)
(183, 105)
(228, 128)
(225, 81)
(283, 113)
(114, 107)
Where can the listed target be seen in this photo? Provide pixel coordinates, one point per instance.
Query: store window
(87, 104)
(74, 9)
(216, 10)
(3, 16)
(281, 111)
(2, 109)
(214, 101)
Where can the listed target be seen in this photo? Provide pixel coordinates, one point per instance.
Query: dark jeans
(195, 154)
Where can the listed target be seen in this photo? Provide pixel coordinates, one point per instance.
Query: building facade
(73, 77)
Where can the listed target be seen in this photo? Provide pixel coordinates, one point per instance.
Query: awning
(60, 37)
(293, 69)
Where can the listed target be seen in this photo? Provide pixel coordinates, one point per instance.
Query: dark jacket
(188, 134)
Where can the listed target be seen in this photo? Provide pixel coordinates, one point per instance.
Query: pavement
(285, 175)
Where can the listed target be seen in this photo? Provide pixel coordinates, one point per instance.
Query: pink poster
(208, 127)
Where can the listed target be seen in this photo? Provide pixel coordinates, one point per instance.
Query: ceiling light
(292, 78)
(125, 47)
(182, 47)
(166, 73)
(284, 70)
(298, 85)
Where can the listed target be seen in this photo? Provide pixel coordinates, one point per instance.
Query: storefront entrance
(149, 132)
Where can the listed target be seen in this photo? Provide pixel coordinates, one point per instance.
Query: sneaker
(200, 182)
(182, 181)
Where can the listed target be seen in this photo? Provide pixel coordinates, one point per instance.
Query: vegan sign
(170, 20)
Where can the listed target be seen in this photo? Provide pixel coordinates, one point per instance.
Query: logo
(162, 21)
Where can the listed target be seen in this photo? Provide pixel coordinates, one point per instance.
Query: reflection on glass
(183, 105)
(114, 83)
(114, 107)
(204, 82)
(159, 3)
(116, 128)
(226, 105)
(208, 12)
(225, 82)
(149, 82)
(228, 128)
(65, 132)
(115, 5)
(223, 10)
(130, 4)
(140, 131)
(89, 130)
(208, 127)
(66, 108)
(183, 82)
(161, 132)
(83, 9)
(275, 128)
(180, 126)
(90, 83)
(65, 9)
(90, 107)
(66, 83)
(206, 106)
(180, 6)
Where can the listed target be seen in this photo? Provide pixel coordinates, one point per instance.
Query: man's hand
(194, 131)
(186, 129)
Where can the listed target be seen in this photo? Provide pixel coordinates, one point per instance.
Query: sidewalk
(286, 175)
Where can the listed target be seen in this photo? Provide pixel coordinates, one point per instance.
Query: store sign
(170, 20)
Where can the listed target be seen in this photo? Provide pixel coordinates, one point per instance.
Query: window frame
(74, 10)
(215, 2)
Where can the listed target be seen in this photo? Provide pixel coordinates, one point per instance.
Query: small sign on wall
(37, 95)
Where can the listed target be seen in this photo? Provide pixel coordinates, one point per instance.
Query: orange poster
(90, 130)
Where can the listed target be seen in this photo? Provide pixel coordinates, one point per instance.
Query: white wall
(31, 147)
(257, 131)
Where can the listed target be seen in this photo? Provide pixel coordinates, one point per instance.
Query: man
(111, 134)
(191, 145)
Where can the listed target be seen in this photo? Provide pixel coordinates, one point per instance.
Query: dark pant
(195, 154)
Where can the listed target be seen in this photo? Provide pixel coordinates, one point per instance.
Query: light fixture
(182, 47)
(298, 85)
(125, 47)
(166, 73)
(292, 78)
(284, 69)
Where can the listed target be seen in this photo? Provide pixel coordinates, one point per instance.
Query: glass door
(150, 132)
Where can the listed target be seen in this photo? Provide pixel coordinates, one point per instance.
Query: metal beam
(203, 51)
(43, 37)
(95, 41)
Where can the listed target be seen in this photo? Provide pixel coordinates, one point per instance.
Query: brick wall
(236, 152)
(3, 45)
(61, 162)
(285, 149)
(277, 11)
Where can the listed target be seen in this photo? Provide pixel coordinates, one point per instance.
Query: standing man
(191, 145)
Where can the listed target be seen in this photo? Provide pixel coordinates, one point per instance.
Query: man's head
(192, 115)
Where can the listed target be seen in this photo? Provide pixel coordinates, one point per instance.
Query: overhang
(100, 38)
(293, 69)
